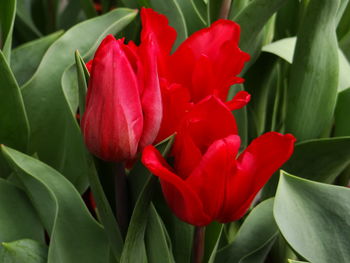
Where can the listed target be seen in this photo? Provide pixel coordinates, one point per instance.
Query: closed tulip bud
(123, 105)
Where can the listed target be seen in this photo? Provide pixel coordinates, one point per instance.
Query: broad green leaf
(342, 113)
(296, 261)
(252, 19)
(313, 218)
(341, 10)
(255, 236)
(26, 58)
(55, 134)
(171, 9)
(14, 130)
(7, 18)
(134, 248)
(157, 247)
(73, 231)
(344, 24)
(314, 73)
(14, 207)
(284, 48)
(321, 159)
(24, 250)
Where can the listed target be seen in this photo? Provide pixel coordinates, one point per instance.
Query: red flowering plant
(163, 138)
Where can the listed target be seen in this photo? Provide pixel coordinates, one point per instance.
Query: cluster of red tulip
(140, 95)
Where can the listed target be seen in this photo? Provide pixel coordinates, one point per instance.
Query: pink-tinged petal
(239, 100)
(208, 121)
(209, 179)
(263, 157)
(183, 201)
(151, 98)
(112, 123)
(176, 102)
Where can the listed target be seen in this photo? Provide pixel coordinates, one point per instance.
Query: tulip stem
(121, 198)
(198, 244)
(225, 9)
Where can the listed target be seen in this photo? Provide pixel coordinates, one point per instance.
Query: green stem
(198, 244)
(121, 198)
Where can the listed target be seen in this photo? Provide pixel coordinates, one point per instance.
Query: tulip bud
(123, 103)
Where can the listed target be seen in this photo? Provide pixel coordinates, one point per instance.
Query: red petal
(219, 43)
(183, 201)
(150, 96)
(264, 156)
(239, 100)
(156, 24)
(207, 122)
(210, 177)
(112, 122)
(176, 103)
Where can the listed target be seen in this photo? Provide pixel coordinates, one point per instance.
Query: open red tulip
(209, 180)
(206, 63)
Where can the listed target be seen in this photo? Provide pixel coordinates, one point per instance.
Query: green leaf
(314, 73)
(24, 250)
(284, 49)
(193, 18)
(313, 218)
(215, 239)
(14, 207)
(342, 113)
(83, 76)
(88, 8)
(7, 18)
(320, 160)
(73, 231)
(55, 134)
(24, 22)
(14, 130)
(255, 237)
(214, 9)
(171, 9)
(252, 19)
(26, 58)
(134, 248)
(296, 261)
(157, 247)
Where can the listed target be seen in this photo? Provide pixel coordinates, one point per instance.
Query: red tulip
(123, 106)
(207, 63)
(209, 179)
